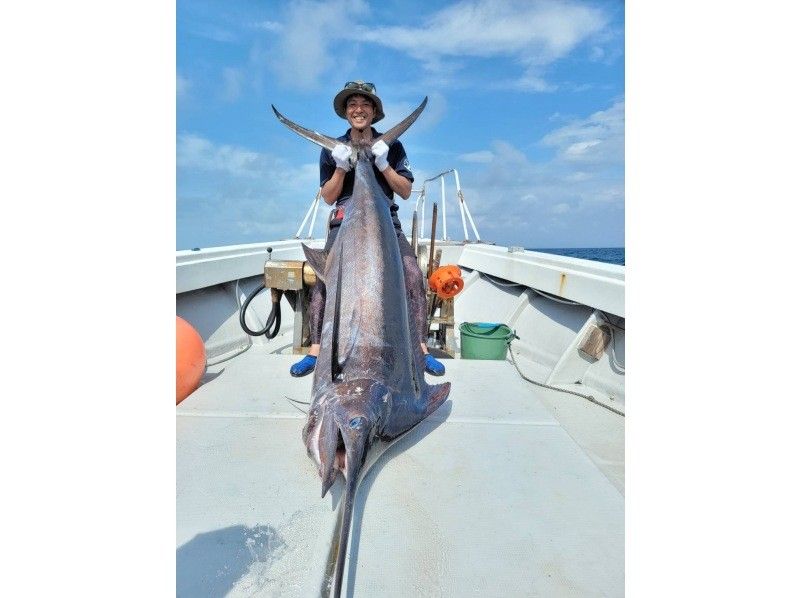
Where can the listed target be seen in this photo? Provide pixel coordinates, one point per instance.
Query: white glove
(381, 152)
(341, 155)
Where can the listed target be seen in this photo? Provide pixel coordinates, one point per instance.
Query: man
(361, 107)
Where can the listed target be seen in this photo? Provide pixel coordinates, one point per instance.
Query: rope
(556, 299)
(611, 326)
(566, 390)
(493, 280)
(497, 282)
(607, 318)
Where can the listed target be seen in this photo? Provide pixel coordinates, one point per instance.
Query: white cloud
(242, 165)
(583, 182)
(249, 195)
(578, 176)
(430, 117)
(579, 149)
(509, 153)
(527, 82)
(600, 138)
(269, 26)
(305, 51)
(535, 34)
(318, 38)
(232, 80)
(182, 86)
(197, 152)
(481, 157)
(215, 33)
(596, 54)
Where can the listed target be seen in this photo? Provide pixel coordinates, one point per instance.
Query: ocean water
(610, 255)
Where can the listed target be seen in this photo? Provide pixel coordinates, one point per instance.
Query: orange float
(190, 359)
(446, 282)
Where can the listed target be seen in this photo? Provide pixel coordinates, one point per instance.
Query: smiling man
(358, 103)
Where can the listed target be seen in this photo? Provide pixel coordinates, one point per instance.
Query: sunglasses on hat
(362, 85)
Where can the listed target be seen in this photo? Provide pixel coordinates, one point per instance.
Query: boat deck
(490, 496)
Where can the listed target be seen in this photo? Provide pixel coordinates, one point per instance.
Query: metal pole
(444, 213)
(314, 217)
(461, 205)
(472, 222)
(463, 220)
(420, 202)
(420, 193)
(433, 241)
(414, 233)
(466, 207)
(308, 213)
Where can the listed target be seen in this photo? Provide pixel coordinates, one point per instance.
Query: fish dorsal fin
(344, 333)
(350, 325)
(336, 366)
(318, 138)
(316, 259)
(389, 136)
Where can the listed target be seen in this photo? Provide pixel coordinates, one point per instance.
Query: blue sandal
(433, 366)
(303, 367)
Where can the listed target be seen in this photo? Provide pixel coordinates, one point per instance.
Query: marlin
(369, 387)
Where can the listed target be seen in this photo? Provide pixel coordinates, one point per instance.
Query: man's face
(360, 112)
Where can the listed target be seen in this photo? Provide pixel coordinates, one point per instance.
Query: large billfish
(369, 386)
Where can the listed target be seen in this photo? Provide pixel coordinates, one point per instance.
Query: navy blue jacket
(397, 160)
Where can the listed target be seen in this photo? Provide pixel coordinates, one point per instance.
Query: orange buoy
(446, 282)
(190, 359)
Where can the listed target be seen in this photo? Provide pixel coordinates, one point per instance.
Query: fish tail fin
(389, 136)
(318, 138)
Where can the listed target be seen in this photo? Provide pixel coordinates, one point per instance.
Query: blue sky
(526, 101)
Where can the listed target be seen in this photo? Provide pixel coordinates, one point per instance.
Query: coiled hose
(274, 319)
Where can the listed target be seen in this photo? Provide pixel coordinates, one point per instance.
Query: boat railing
(462, 206)
(312, 209)
(419, 209)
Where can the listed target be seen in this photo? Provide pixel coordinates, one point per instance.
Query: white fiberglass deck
(488, 497)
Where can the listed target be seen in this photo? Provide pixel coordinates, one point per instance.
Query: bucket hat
(357, 88)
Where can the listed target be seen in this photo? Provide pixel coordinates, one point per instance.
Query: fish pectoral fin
(402, 420)
(316, 259)
(437, 394)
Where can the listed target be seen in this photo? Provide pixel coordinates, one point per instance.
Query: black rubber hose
(274, 316)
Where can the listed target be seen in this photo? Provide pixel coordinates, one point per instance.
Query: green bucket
(482, 340)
